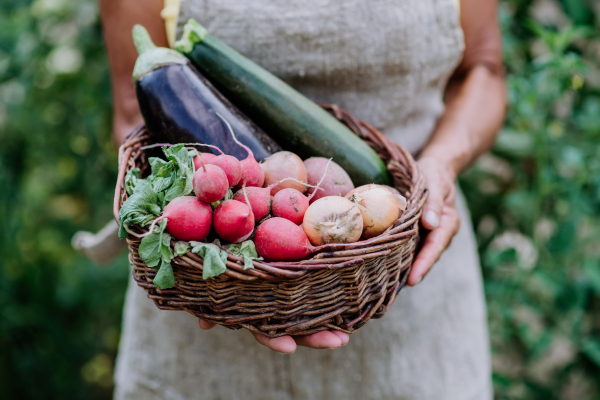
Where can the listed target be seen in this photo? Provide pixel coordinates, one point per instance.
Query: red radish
(259, 200)
(231, 166)
(206, 157)
(284, 164)
(336, 181)
(187, 218)
(252, 174)
(233, 221)
(290, 204)
(278, 239)
(210, 183)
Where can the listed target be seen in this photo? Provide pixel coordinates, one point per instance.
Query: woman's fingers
(345, 338)
(440, 188)
(283, 344)
(321, 340)
(206, 325)
(435, 243)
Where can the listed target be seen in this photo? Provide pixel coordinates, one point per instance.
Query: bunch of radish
(298, 206)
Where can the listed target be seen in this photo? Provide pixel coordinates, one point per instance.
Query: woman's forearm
(475, 109)
(118, 18)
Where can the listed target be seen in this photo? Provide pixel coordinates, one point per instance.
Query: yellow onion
(332, 219)
(379, 207)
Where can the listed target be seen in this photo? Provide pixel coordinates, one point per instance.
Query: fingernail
(432, 218)
(419, 280)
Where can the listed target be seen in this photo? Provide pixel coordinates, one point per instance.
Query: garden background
(535, 200)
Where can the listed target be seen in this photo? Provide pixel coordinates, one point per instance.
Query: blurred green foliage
(59, 315)
(535, 202)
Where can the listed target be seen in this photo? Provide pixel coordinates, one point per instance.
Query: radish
(278, 239)
(336, 181)
(231, 166)
(259, 199)
(290, 204)
(187, 218)
(233, 221)
(284, 164)
(206, 157)
(252, 174)
(210, 183)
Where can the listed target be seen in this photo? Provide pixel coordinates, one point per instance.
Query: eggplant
(179, 105)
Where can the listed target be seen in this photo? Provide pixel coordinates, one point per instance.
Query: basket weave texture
(339, 290)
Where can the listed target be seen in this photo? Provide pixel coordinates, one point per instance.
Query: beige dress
(387, 62)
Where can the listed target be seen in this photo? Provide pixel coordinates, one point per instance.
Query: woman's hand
(439, 216)
(287, 344)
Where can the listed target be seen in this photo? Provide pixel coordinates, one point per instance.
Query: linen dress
(387, 62)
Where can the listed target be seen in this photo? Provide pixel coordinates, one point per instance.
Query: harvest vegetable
(259, 199)
(332, 219)
(336, 181)
(179, 105)
(202, 158)
(290, 204)
(282, 112)
(231, 166)
(379, 207)
(284, 164)
(210, 183)
(278, 239)
(187, 218)
(233, 221)
(252, 174)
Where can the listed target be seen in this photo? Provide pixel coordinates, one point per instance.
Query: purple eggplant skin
(180, 106)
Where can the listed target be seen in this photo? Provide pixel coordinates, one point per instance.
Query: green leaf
(214, 258)
(150, 249)
(176, 190)
(247, 250)
(131, 178)
(164, 279)
(180, 155)
(156, 164)
(180, 248)
(140, 208)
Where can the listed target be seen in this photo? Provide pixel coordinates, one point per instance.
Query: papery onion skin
(284, 164)
(379, 208)
(333, 219)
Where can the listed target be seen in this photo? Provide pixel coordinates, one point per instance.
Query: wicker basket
(338, 290)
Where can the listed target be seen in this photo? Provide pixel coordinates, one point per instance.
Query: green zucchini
(292, 120)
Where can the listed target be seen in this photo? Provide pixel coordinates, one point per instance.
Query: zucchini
(292, 120)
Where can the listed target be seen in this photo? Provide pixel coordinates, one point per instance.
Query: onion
(284, 164)
(379, 207)
(332, 219)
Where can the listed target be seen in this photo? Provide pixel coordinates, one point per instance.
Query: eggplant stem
(141, 39)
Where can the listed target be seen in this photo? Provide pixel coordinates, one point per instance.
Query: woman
(391, 63)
